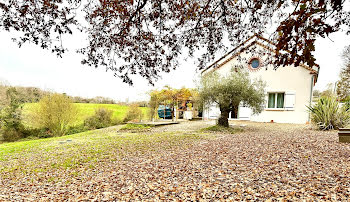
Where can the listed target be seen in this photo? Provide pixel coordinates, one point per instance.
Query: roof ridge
(241, 44)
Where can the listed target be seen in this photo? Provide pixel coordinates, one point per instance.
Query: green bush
(76, 129)
(101, 119)
(37, 132)
(11, 116)
(327, 114)
(134, 113)
(116, 121)
(10, 135)
(55, 112)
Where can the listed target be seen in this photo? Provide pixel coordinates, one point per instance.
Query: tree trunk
(235, 110)
(223, 120)
(172, 113)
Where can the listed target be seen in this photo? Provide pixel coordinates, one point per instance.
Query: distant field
(85, 110)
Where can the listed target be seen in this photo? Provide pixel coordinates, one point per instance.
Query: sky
(32, 66)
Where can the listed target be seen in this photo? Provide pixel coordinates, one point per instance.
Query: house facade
(288, 89)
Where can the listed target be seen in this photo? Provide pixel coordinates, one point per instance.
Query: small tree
(11, 116)
(55, 112)
(170, 96)
(153, 104)
(231, 90)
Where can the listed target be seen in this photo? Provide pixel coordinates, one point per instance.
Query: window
(254, 63)
(276, 100)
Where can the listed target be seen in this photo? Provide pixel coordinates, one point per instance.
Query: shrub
(11, 134)
(326, 114)
(134, 113)
(37, 132)
(55, 112)
(347, 104)
(116, 121)
(101, 119)
(76, 129)
(11, 116)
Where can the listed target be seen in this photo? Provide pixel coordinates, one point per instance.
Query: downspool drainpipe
(311, 89)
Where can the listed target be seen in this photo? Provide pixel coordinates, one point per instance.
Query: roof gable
(253, 40)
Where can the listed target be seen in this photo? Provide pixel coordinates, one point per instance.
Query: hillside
(34, 94)
(85, 110)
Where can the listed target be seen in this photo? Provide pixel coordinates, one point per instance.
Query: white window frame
(276, 93)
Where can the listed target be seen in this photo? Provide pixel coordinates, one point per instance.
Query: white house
(288, 89)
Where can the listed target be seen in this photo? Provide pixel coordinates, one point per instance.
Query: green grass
(135, 127)
(84, 150)
(221, 129)
(85, 110)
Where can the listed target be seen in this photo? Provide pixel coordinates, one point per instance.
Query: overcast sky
(32, 66)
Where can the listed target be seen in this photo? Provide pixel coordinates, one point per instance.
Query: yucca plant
(347, 104)
(327, 114)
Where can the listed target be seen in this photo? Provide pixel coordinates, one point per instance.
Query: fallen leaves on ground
(264, 162)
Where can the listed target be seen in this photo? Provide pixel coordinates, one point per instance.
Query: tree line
(34, 94)
(341, 88)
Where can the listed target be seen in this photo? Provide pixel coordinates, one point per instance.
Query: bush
(134, 113)
(55, 112)
(347, 104)
(11, 116)
(37, 132)
(10, 135)
(101, 119)
(326, 114)
(76, 129)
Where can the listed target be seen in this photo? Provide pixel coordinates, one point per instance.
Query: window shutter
(289, 100)
(214, 111)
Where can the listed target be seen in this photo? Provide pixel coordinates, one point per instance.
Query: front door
(233, 114)
(243, 113)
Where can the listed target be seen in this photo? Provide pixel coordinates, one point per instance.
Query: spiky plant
(327, 114)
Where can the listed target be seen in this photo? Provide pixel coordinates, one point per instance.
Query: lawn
(85, 110)
(262, 161)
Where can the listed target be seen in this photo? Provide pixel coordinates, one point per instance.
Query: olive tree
(230, 91)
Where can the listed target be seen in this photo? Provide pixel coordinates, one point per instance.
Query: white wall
(284, 79)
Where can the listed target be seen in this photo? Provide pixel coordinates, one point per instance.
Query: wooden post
(344, 135)
(176, 107)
